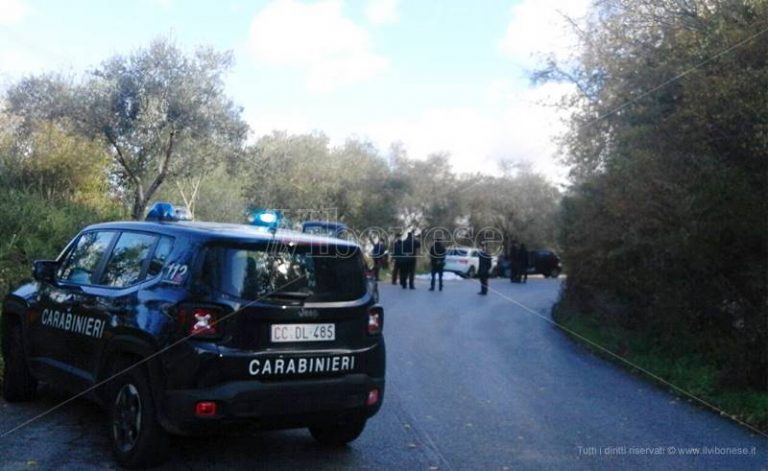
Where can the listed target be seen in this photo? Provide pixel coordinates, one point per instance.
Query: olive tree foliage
(8, 125)
(665, 229)
(307, 177)
(160, 112)
(52, 183)
(431, 196)
(291, 172)
(58, 163)
(523, 207)
(368, 195)
(216, 195)
(50, 159)
(519, 205)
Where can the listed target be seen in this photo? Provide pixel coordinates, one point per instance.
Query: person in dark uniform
(397, 257)
(408, 265)
(522, 263)
(513, 263)
(378, 254)
(484, 269)
(437, 262)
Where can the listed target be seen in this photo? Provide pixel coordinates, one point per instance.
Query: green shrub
(664, 230)
(35, 227)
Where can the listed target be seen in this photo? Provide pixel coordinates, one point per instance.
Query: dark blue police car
(178, 326)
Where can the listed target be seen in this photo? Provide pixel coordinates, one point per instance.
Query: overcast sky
(437, 75)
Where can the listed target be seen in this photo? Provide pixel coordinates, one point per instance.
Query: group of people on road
(404, 253)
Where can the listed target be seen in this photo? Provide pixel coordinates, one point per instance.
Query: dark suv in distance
(326, 228)
(540, 262)
(178, 327)
(544, 262)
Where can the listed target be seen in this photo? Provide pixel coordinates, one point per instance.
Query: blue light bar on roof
(268, 218)
(161, 211)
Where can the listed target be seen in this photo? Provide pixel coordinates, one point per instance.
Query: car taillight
(373, 397)
(375, 320)
(200, 321)
(205, 409)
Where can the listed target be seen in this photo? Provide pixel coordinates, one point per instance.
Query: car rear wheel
(138, 440)
(338, 433)
(471, 272)
(18, 383)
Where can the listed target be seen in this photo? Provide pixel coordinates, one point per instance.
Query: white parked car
(465, 261)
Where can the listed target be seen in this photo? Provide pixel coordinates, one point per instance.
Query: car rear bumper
(458, 267)
(284, 404)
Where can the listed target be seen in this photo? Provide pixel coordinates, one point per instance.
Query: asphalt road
(473, 383)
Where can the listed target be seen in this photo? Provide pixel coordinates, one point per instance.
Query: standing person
(437, 262)
(522, 263)
(513, 263)
(414, 258)
(408, 265)
(377, 254)
(397, 257)
(484, 269)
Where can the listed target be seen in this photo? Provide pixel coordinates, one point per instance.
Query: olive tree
(161, 113)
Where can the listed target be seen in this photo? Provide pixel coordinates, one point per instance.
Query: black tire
(554, 273)
(339, 433)
(136, 436)
(471, 272)
(18, 383)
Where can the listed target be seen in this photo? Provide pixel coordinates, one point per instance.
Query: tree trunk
(142, 198)
(139, 204)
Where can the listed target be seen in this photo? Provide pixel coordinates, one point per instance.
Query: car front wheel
(554, 273)
(338, 434)
(471, 272)
(138, 440)
(18, 383)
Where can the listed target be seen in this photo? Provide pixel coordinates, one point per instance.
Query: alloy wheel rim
(126, 423)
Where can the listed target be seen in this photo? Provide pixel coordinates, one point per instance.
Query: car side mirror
(44, 270)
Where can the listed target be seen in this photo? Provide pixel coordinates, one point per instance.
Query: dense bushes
(35, 227)
(665, 233)
(52, 183)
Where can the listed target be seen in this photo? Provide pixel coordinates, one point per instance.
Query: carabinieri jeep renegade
(178, 327)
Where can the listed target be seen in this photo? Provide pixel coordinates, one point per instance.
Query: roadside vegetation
(52, 183)
(664, 230)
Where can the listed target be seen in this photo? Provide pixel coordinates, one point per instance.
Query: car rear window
(457, 252)
(262, 273)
